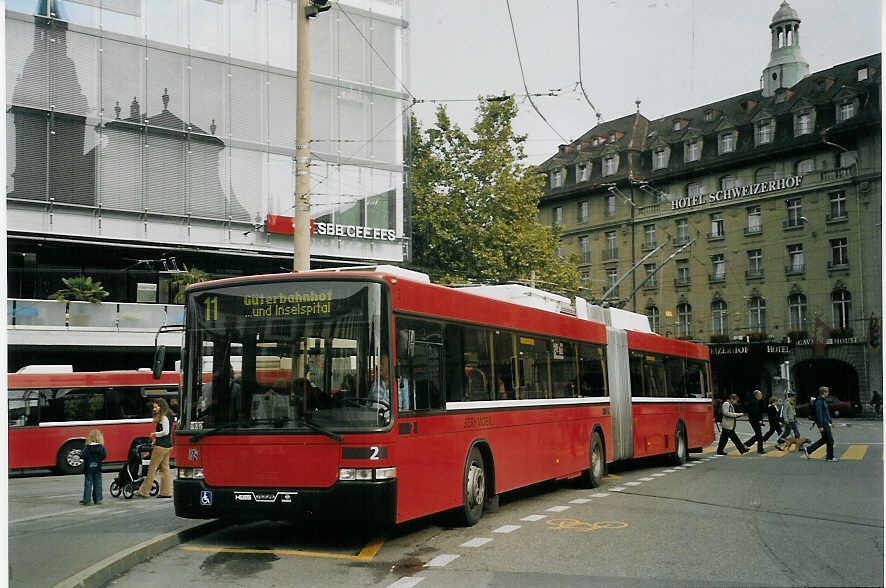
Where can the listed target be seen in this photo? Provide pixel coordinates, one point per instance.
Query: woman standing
(162, 436)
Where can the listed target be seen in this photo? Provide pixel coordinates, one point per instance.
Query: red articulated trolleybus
(51, 413)
(373, 393)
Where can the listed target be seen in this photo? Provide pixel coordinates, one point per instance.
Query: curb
(99, 574)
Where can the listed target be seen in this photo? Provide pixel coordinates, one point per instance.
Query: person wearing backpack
(727, 431)
(823, 420)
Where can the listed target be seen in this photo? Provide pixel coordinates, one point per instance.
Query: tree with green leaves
(475, 205)
(80, 288)
(184, 279)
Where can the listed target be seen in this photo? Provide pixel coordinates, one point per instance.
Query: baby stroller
(133, 472)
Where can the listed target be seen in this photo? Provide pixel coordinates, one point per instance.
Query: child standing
(93, 454)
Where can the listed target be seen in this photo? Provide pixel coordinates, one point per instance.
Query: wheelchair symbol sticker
(206, 497)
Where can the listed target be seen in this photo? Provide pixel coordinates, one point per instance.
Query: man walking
(755, 417)
(823, 420)
(727, 425)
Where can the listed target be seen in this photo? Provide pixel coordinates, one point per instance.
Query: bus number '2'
(373, 452)
(211, 304)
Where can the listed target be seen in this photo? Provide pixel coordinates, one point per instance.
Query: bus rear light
(366, 474)
(190, 473)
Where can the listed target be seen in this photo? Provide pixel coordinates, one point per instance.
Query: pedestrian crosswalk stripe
(855, 452)
(709, 449)
(820, 452)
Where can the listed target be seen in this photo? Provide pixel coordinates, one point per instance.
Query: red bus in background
(50, 414)
(393, 398)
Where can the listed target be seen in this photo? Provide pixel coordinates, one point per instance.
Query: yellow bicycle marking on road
(584, 526)
(366, 554)
(855, 452)
(611, 477)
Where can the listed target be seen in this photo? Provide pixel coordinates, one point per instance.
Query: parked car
(837, 406)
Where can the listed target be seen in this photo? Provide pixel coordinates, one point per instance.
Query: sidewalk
(55, 541)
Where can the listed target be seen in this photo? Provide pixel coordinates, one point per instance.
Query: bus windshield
(287, 356)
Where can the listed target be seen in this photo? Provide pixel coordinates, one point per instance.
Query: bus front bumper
(372, 502)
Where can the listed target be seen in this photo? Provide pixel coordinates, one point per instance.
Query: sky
(671, 55)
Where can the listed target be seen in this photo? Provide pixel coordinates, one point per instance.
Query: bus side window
(636, 367)
(454, 363)
(676, 371)
(477, 365)
(592, 370)
(419, 369)
(696, 379)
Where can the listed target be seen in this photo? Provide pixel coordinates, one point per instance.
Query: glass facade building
(170, 124)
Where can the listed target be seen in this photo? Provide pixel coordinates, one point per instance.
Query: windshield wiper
(217, 430)
(306, 418)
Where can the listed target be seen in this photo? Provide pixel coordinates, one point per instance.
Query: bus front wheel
(597, 462)
(474, 488)
(69, 460)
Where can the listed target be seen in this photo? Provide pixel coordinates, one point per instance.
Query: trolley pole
(301, 223)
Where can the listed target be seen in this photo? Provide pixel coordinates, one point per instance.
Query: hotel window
(585, 277)
(755, 220)
(654, 317)
(755, 263)
(659, 159)
(676, 126)
(797, 312)
(717, 227)
(728, 182)
(795, 212)
(558, 251)
(719, 318)
(612, 136)
(848, 158)
(609, 205)
(796, 263)
(650, 275)
(805, 166)
(611, 279)
(648, 236)
(839, 252)
(709, 115)
(837, 205)
(862, 74)
(584, 245)
(757, 315)
(726, 142)
(684, 318)
(845, 110)
(611, 251)
(682, 272)
(718, 267)
(764, 174)
(764, 132)
(558, 215)
(693, 189)
(841, 308)
(609, 165)
(583, 211)
(682, 231)
(693, 150)
(556, 178)
(582, 172)
(802, 124)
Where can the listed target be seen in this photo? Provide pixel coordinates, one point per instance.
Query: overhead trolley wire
(523, 75)
(580, 84)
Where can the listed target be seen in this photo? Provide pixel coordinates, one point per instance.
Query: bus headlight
(190, 473)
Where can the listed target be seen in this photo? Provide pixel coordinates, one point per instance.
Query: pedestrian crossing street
(850, 453)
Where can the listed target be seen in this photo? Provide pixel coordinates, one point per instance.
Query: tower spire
(786, 63)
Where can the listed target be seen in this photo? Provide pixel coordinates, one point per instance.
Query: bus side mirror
(159, 359)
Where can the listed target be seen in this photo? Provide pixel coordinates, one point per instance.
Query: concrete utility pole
(301, 223)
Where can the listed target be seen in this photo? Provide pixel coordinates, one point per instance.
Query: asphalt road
(774, 519)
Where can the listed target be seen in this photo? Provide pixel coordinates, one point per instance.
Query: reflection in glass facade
(179, 111)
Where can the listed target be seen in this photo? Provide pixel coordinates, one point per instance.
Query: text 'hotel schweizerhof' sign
(737, 192)
(282, 225)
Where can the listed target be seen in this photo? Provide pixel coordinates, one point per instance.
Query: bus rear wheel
(474, 488)
(68, 460)
(596, 462)
(681, 449)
